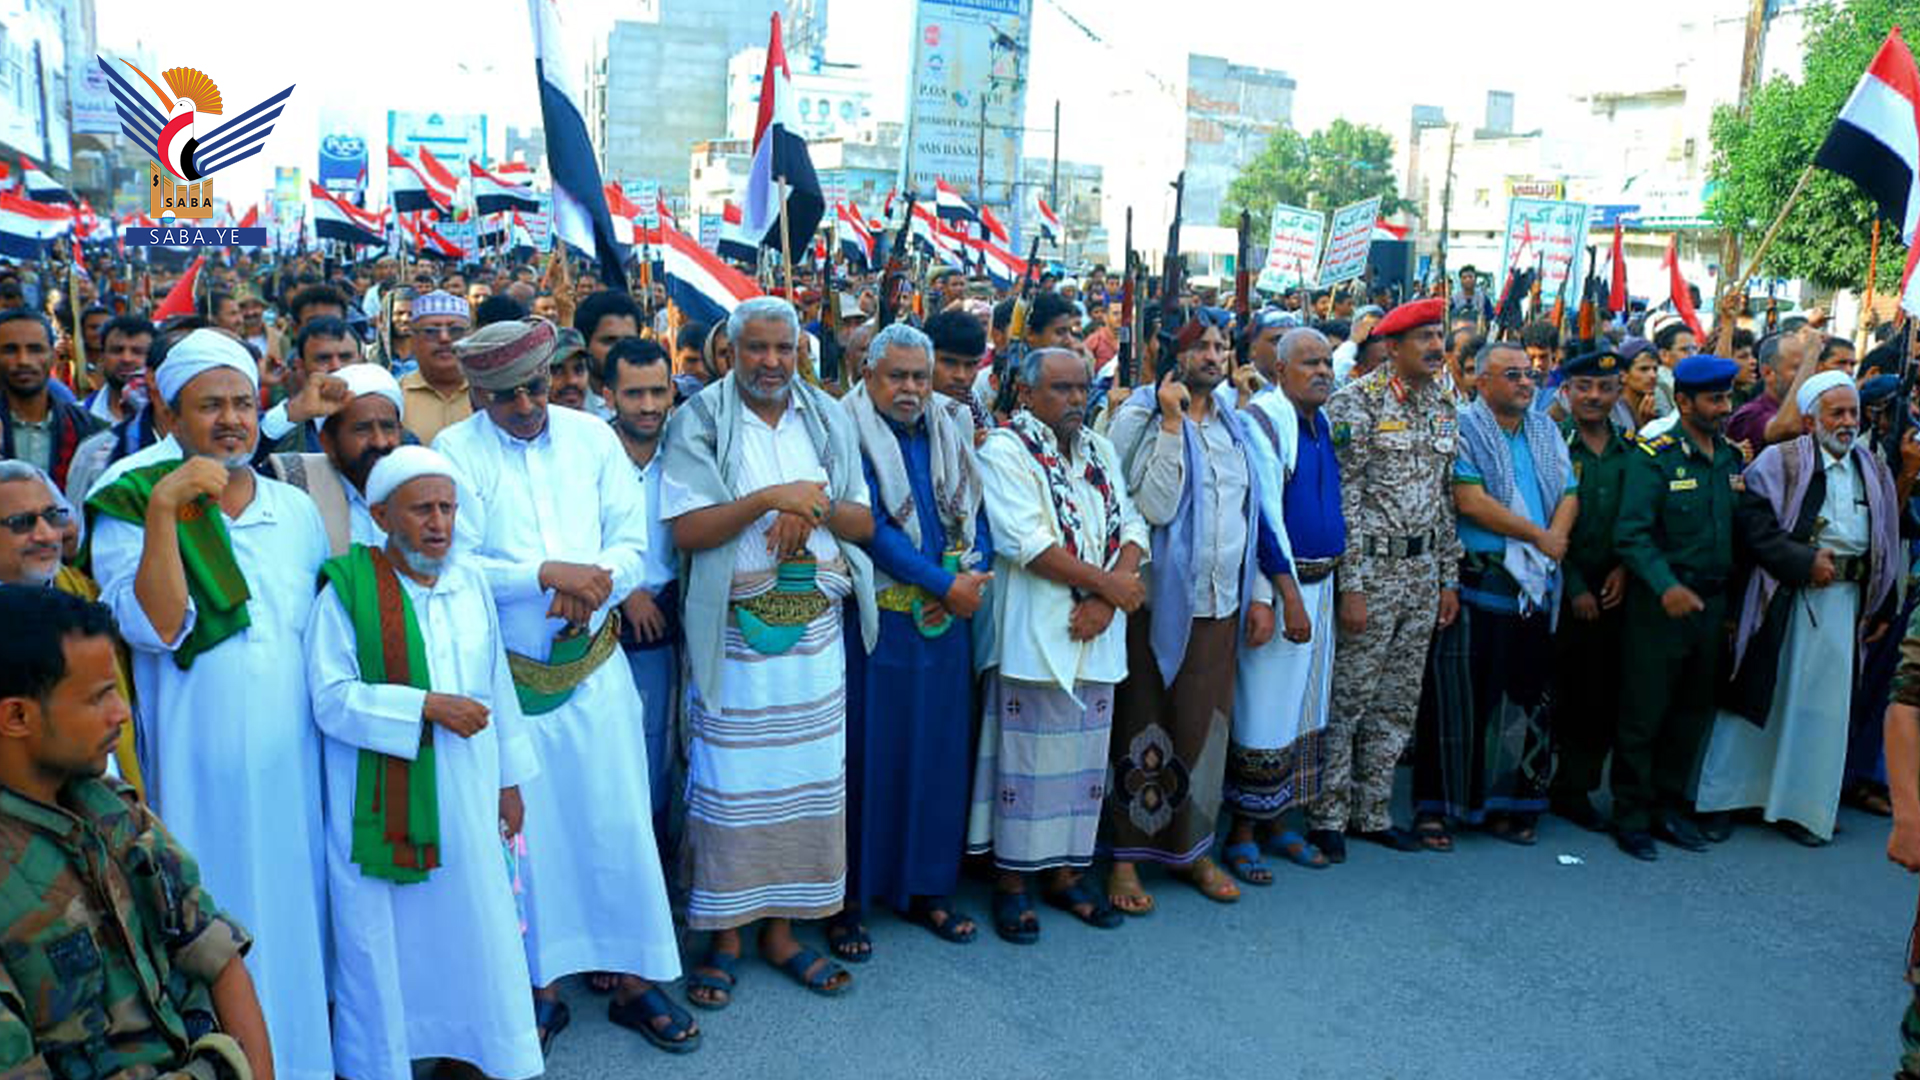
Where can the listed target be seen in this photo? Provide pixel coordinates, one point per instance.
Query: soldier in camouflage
(114, 963)
(1393, 432)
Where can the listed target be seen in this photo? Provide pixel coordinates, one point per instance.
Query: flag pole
(1873, 266)
(807, 371)
(1737, 279)
(73, 306)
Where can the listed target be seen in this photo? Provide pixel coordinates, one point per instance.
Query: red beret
(1414, 313)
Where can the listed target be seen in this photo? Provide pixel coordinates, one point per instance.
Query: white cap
(403, 464)
(201, 352)
(364, 379)
(1811, 390)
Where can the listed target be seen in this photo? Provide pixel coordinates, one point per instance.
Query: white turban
(1810, 391)
(198, 353)
(364, 379)
(403, 464)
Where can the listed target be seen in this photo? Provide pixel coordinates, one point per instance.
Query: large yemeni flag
(580, 214)
(27, 227)
(1875, 142)
(780, 156)
(699, 283)
(497, 192)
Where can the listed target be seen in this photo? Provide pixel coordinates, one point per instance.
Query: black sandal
(1098, 914)
(722, 983)
(638, 1014)
(1013, 918)
(948, 928)
(1515, 829)
(848, 940)
(1433, 834)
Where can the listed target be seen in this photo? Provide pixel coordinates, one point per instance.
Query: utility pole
(1446, 206)
(980, 156)
(1734, 281)
(1053, 188)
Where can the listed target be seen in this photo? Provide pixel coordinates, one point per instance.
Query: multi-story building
(831, 100)
(1232, 112)
(656, 88)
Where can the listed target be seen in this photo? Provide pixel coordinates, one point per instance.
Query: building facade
(1232, 112)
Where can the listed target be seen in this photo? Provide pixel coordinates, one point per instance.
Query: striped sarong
(1040, 774)
(1280, 705)
(767, 787)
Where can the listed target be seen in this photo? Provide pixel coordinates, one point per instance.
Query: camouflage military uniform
(110, 944)
(1395, 443)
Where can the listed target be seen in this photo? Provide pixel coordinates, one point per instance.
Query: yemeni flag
(856, 240)
(994, 229)
(949, 206)
(43, 188)
(625, 214)
(440, 181)
(1049, 222)
(1677, 292)
(734, 242)
(407, 189)
(699, 283)
(780, 156)
(1875, 142)
(28, 227)
(495, 192)
(336, 219)
(580, 214)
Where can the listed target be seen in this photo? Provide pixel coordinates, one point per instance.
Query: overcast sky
(359, 58)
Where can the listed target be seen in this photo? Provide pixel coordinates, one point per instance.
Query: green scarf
(396, 802)
(214, 581)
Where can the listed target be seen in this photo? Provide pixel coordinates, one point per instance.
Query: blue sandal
(722, 983)
(1244, 861)
(802, 964)
(1013, 918)
(1297, 850)
(638, 1014)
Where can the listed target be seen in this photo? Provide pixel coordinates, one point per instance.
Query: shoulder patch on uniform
(1342, 433)
(1654, 445)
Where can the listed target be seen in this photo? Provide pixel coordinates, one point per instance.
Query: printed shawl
(956, 480)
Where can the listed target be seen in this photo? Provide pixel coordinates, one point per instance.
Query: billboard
(343, 154)
(968, 54)
(93, 109)
(454, 138)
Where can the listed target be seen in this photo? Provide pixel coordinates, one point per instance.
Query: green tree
(1340, 164)
(1758, 159)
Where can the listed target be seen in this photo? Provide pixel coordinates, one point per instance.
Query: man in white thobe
(230, 753)
(1820, 518)
(429, 968)
(551, 513)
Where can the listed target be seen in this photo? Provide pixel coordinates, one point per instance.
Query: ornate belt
(1313, 571)
(544, 686)
(901, 598)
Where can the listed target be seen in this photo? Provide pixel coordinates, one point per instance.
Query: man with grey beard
(1283, 689)
(1820, 517)
(209, 569)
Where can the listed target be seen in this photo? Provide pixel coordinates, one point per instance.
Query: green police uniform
(1675, 527)
(109, 944)
(1587, 654)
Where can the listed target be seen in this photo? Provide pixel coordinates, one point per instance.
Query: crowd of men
(470, 632)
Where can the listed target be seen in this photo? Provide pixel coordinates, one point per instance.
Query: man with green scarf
(424, 748)
(209, 570)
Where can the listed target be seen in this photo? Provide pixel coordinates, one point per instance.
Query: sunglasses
(534, 388)
(1519, 375)
(448, 332)
(22, 523)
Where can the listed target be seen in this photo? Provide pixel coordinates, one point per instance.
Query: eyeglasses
(533, 388)
(448, 332)
(1520, 375)
(22, 523)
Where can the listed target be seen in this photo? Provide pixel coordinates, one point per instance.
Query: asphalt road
(1758, 960)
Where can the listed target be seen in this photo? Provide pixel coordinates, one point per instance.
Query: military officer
(114, 962)
(1393, 434)
(1587, 643)
(1674, 534)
